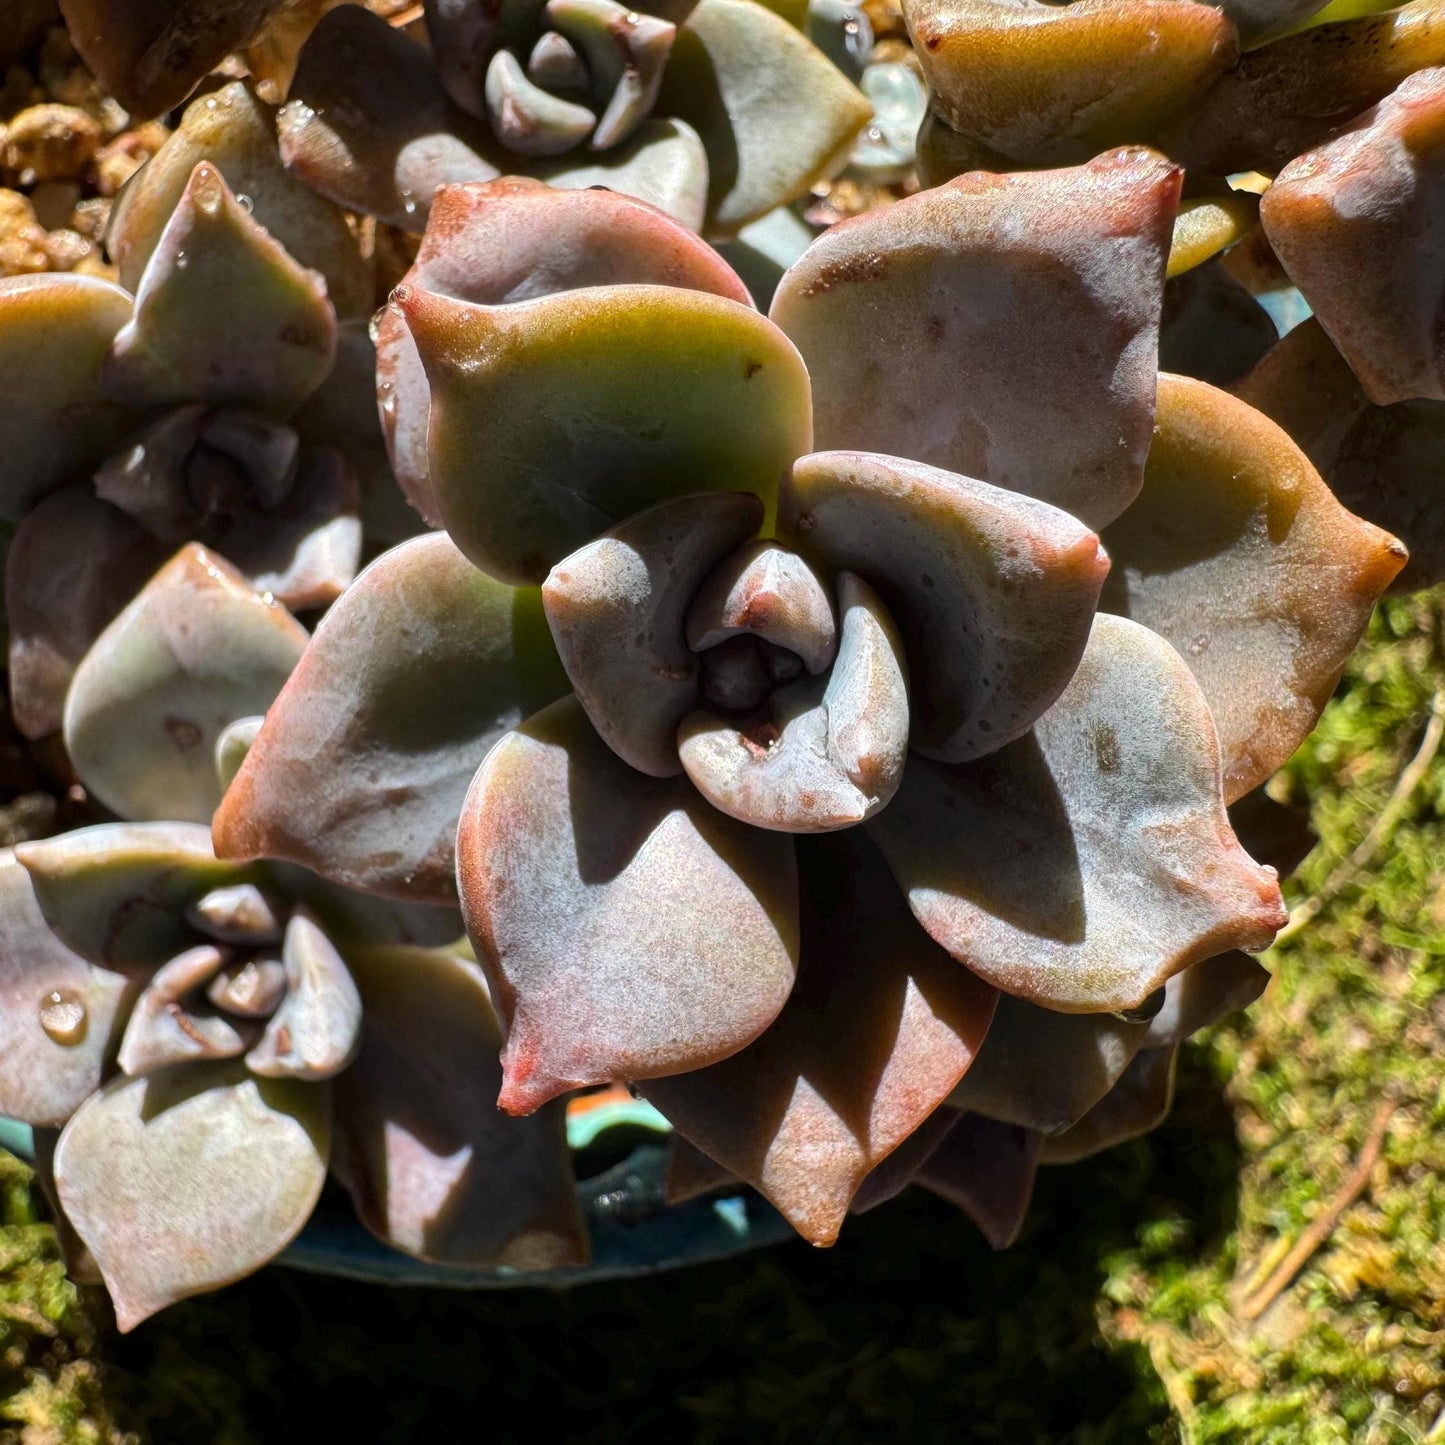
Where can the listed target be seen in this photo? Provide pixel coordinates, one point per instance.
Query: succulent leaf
(992, 592)
(1086, 863)
(361, 767)
(59, 1013)
(528, 119)
(1203, 994)
(73, 564)
(1212, 328)
(663, 163)
(252, 990)
(1045, 1070)
(1238, 554)
(554, 419)
(194, 651)
(775, 115)
(987, 1169)
(1055, 84)
(369, 126)
(1022, 326)
(222, 313)
(236, 133)
(881, 1025)
(627, 929)
(150, 55)
(1288, 96)
(1138, 1103)
(514, 240)
(316, 1031)
(826, 753)
(1353, 223)
(618, 607)
(432, 1165)
(171, 1022)
(889, 1179)
(118, 893)
(55, 331)
(238, 913)
(1207, 225)
(186, 1180)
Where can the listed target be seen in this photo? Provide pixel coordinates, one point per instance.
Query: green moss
(1114, 1320)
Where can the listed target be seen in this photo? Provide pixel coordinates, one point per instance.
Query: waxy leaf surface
(236, 133)
(881, 1025)
(172, 1022)
(433, 1166)
(1138, 1103)
(1238, 554)
(628, 930)
(1283, 98)
(1355, 224)
(992, 592)
(1052, 84)
(192, 652)
(514, 240)
(1002, 326)
(222, 313)
(186, 1180)
(73, 563)
(369, 126)
(55, 331)
(987, 1169)
(1089, 861)
(59, 1013)
(821, 753)
(775, 115)
(118, 893)
(554, 419)
(617, 609)
(361, 766)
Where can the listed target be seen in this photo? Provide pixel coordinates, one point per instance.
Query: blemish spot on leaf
(1105, 742)
(183, 733)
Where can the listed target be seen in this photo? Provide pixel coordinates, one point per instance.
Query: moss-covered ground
(1133, 1310)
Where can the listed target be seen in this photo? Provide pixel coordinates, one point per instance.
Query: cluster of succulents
(837, 723)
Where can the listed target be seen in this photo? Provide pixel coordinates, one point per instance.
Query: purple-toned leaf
(433, 1166)
(821, 753)
(514, 240)
(73, 563)
(186, 1180)
(195, 650)
(369, 126)
(59, 1014)
(173, 1023)
(361, 766)
(617, 609)
(775, 115)
(55, 331)
(1086, 863)
(627, 929)
(118, 893)
(236, 133)
(1138, 1103)
(1352, 222)
(316, 1031)
(556, 418)
(1237, 553)
(992, 592)
(987, 1169)
(1022, 326)
(881, 1026)
(222, 313)
(1203, 994)
(149, 54)
(1212, 328)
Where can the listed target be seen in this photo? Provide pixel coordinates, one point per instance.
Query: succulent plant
(747, 746)
(1312, 136)
(197, 406)
(717, 112)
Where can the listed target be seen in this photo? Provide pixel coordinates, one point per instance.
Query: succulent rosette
(1314, 141)
(795, 748)
(203, 400)
(717, 111)
(199, 1042)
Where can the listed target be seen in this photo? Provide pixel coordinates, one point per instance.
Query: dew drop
(245, 202)
(63, 1016)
